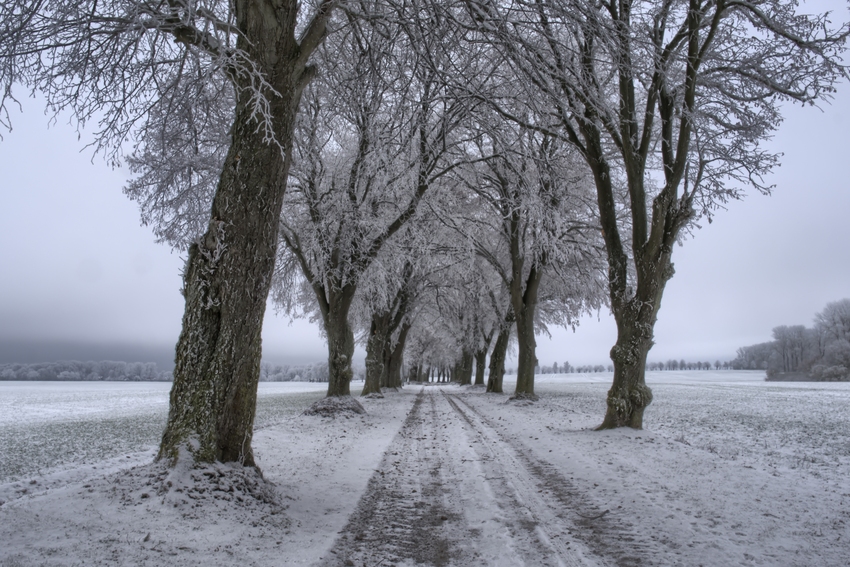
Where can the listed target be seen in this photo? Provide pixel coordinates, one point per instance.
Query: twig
(593, 517)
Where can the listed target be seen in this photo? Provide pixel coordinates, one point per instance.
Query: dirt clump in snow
(523, 399)
(334, 406)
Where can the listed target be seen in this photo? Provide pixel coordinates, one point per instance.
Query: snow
(729, 470)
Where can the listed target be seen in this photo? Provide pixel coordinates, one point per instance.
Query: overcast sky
(80, 278)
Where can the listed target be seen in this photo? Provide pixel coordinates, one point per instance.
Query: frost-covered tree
(373, 138)
(831, 342)
(385, 307)
(834, 321)
(790, 344)
(534, 227)
(670, 101)
(822, 352)
(135, 66)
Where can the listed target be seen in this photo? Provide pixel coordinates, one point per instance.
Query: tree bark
(524, 303)
(340, 342)
(499, 354)
(396, 358)
(229, 270)
(497, 359)
(464, 368)
(480, 365)
(527, 357)
(629, 395)
(375, 354)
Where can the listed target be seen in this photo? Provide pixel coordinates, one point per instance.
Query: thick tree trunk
(226, 284)
(375, 354)
(480, 366)
(497, 360)
(340, 343)
(481, 358)
(396, 358)
(229, 271)
(464, 368)
(527, 356)
(524, 303)
(629, 395)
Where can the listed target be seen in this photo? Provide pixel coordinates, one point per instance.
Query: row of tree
(428, 177)
(117, 371)
(317, 372)
(685, 365)
(105, 370)
(566, 368)
(821, 352)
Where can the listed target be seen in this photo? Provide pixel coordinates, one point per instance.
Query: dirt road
(452, 489)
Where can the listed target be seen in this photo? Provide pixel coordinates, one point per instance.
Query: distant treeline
(567, 368)
(317, 372)
(117, 371)
(819, 353)
(74, 370)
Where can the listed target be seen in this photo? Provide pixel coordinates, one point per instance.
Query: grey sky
(80, 278)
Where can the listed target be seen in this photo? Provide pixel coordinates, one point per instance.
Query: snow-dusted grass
(735, 415)
(49, 425)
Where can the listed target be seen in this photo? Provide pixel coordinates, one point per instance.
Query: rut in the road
(607, 535)
(452, 490)
(401, 516)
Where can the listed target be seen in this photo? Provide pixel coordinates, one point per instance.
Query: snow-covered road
(451, 490)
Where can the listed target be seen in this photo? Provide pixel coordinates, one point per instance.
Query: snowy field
(45, 426)
(729, 470)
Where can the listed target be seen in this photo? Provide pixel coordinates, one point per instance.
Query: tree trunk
(481, 358)
(464, 368)
(497, 360)
(480, 365)
(629, 395)
(524, 303)
(375, 347)
(228, 273)
(396, 358)
(527, 356)
(340, 342)
(226, 284)
(499, 354)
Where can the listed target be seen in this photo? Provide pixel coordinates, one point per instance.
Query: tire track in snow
(520, 493)
(443, 496)
(401, 517)
(571, 512)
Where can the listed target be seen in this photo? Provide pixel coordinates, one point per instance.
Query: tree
(373, 139)
(500, 349)
(531, 222)
(115, 61)
(668, 103)
(821, 352)
(790, 343)
(834, 320)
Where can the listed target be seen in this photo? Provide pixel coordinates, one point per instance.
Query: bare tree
(834, 320)
(668, 101)
(131, 63)
(373, 140)
(533, 226)
(790, 344)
